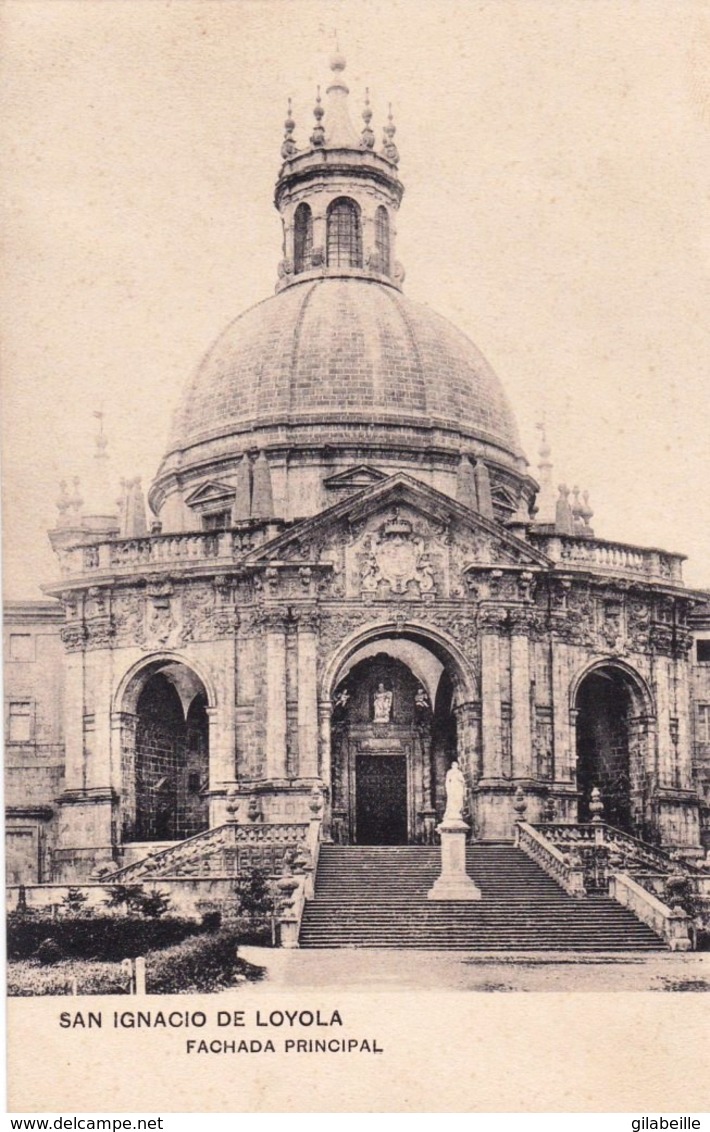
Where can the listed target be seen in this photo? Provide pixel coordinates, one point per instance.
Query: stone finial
(388, 147)
(483, 490)
(318, 135)
(76, 501)
(546, 495)
(63, 505)
(288, 146)
(368, 136)
(232, 806)
(466, 484)
(340, 132)
(596, 806)
(520, 803)
(262, 500)
(564, 520)
(587, 514)
(577, 506)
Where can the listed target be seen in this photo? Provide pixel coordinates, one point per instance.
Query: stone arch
(386, 763)
(612, 709)
(163, 706)
(440, 643)
(130, 684)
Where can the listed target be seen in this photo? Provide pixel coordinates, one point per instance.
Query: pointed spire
(288, 146)
(262, 500)
(587, 513)
(388, 147)
(318, 135)
(100, 495)
(466, 484)
(368, 136)
(564, 520)
(137, 520)
(241, 508)
(483, 490)
(339, 130)
(122, 504)
(546, 501)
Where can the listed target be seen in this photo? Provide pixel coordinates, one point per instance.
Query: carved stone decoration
(100, 633)
(162, 625)
(197, 610)
(397, 558)
(129, 617)
(73, 636)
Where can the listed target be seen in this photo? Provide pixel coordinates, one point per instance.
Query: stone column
(307, 693)
(682, 711)
(520, 681)
(468, 739)
(564, 752)
(275, 650)
(74, 720)
(666, 751)
(491, 620)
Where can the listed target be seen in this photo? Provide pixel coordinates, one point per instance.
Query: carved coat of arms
(396, 554)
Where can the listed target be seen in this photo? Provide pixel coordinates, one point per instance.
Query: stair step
(376, 896)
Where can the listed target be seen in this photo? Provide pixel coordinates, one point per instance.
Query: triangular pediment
(354, 479)
(214, 491)
(401, 510)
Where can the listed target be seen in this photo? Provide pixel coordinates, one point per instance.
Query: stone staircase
(376, 897)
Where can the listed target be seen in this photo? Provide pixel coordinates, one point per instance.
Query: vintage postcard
(356, 555)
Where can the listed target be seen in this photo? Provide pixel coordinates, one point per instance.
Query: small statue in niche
(382, 704)
(455, 793)
(421, 701)
(341, 700)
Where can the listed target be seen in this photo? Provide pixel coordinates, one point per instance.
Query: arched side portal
(614, 746)
(164, 753)
(393, 736)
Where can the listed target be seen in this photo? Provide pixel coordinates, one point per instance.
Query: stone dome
(341, 354)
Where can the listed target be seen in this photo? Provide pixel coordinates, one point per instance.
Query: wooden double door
(381, 806)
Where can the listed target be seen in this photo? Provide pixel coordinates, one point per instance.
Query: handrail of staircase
(567, 873)
(227, 836)
(671, 924)
(601, 833)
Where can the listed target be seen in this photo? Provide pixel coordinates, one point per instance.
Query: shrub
(212, 921)
(49, 952)
(207, 963)
(74, 901)
(97, 937)
(254, 897)
(27, 978)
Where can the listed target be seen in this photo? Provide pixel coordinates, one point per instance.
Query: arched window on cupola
(302, 239)
(344, 234)
(382, 240)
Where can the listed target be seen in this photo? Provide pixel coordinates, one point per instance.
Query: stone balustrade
(568, 875)
(164, 550)
(671, 924)
(612, 558)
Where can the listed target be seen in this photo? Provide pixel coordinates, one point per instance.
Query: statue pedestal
(454, 882)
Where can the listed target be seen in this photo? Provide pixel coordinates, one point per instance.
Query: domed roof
(341, 351)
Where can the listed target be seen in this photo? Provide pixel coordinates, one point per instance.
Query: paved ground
(369, 969)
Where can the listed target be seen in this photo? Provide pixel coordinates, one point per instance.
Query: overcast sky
(555, 159)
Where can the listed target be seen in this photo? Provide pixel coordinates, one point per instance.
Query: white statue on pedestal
(455, 793)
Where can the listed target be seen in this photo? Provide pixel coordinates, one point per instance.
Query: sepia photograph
(356, 552)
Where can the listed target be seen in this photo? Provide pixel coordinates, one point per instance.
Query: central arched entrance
(393, 738)
(612, 737)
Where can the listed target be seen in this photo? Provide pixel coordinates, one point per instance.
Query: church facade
(349, 580)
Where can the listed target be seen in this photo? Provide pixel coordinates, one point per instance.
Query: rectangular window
(20, 721)
(702, 651)
(703, 728)
(217, 521)
(21, 646)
